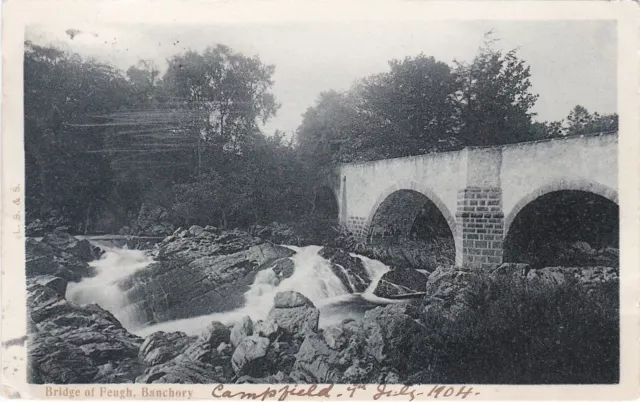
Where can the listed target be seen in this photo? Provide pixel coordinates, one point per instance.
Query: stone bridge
(479, 191)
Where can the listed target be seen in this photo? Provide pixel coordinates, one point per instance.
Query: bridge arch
(584, 185)
(551, 223)
(423, 191)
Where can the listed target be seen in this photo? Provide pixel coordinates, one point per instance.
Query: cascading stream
(312, 276)
(115, 265)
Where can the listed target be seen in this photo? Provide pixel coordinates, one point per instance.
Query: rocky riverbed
(201, 269)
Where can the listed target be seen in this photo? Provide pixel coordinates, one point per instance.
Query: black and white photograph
(322, 202)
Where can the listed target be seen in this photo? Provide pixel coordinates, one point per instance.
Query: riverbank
(448, 335)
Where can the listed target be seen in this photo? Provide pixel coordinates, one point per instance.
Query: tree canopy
(422, 105)
(100, 142)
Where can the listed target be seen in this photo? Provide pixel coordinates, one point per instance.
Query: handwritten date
(437, 391)
(381, 392)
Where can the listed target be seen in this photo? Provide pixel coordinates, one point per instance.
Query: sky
(572, 62)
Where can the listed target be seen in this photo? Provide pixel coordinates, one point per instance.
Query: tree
(547, 129)
(194, 121)
(405, 111)
(63, 94)
(233, 90)
(330, 130)
(493, 98)
(580, 121)
(423, 105)
(413, 105)
(144, 78)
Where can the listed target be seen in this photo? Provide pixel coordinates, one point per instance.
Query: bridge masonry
(480, 222)
(479, 191)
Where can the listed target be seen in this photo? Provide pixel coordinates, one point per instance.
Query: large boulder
(340, 352)
(215, 334)
(81, 249)
(214, 270)
(283, 269)
(391, 335)
(453, 291)
(316, 363)
(338, 336)
(267, 329)
(76, 344)
(290, 299)
(205, 348)
(202, 352)
(281, 356)
(216, 282)
(160, 347)
(44, 259)
(58, 284)
(241, 330)
(350, 270)
(278, 233)
(203, 361)
(196, 230)
(401, 281)
(182, 245)
(294, 313)
(182, 370)
(267, 253)
(53, 360)
(249, 356)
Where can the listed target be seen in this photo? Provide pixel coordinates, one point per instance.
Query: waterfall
(312, 276)
(115, 265)
(375, 270)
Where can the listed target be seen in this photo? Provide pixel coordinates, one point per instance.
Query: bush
(528, 333)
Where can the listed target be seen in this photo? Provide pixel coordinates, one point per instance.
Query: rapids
(114, 265)
(312, 276)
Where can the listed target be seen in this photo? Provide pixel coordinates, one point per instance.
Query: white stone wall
(367, 184)
(588, 163)
(522, 172)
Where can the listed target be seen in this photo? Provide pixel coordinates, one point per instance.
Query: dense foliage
(423, 105)
(100, 142)
(61, 172)
(528, 333)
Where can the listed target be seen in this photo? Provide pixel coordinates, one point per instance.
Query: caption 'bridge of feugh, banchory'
(479, 190)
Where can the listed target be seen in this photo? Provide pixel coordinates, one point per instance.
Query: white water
(312, 277)
(115, 265)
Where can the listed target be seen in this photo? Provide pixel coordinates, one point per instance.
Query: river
(312, 276)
